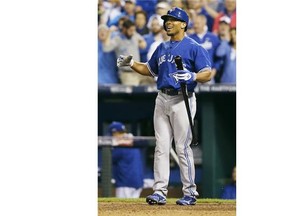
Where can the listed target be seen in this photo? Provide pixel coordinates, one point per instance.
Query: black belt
(172, 92)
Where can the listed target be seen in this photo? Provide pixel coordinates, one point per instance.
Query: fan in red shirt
(230, 11)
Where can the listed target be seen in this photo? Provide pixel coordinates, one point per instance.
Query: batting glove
(184, 76)
(125, 61)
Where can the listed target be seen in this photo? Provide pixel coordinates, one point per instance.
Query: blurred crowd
(135, 27)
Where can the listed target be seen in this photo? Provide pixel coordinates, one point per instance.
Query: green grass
(169, 200)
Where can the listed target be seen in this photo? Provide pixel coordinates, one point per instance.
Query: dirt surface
(143, 209)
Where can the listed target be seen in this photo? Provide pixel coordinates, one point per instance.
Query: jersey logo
(181, 76)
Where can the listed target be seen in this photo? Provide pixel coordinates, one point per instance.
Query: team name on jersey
(163, 58)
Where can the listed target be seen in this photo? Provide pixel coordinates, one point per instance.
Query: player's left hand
(184, 76)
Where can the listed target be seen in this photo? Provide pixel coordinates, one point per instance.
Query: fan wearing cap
(227, 51)
(158, 40)
(224, 36)
(224, 28)
(170, 115)
(127, 163)
(162, 8)
(155, 26)
(229, 11)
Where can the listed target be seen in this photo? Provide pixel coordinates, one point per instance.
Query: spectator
(127, 163)
(178, 3)
(201, 7)
(141, 22)
(211, 7)
(162, 8)
(227, 50)
(223, 34)
(207, 40)
(156, 43)
(230, 11)
(155, 26)
(107, 68)
(215, 4)
(116, 30)
(224, 28)
(108, 10)
(129, 11)
(229, 190)
(147, 6)
(101, 11)
(155, 30)
(128, 42)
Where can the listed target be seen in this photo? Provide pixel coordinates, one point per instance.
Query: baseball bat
(175, 157)
(179, 66)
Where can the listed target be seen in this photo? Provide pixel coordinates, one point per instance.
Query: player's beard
(172, 32)
(169, 34)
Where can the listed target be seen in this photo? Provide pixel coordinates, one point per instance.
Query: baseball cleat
(156, 199)
(187, 200)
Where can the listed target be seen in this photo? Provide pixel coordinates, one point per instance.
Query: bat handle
(178, 62)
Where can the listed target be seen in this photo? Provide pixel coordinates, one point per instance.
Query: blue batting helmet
(178, 14)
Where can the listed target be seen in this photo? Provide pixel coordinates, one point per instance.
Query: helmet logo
(172, 9)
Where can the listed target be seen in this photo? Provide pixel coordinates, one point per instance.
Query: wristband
(194, 76)
(131, 62)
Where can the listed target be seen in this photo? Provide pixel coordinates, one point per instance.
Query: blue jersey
(194, 57)
(229, 191)
(127, 167)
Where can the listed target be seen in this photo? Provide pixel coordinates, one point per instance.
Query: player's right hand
(184, 76)
(125, 61)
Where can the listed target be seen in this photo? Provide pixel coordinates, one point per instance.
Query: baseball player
(170, 115)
